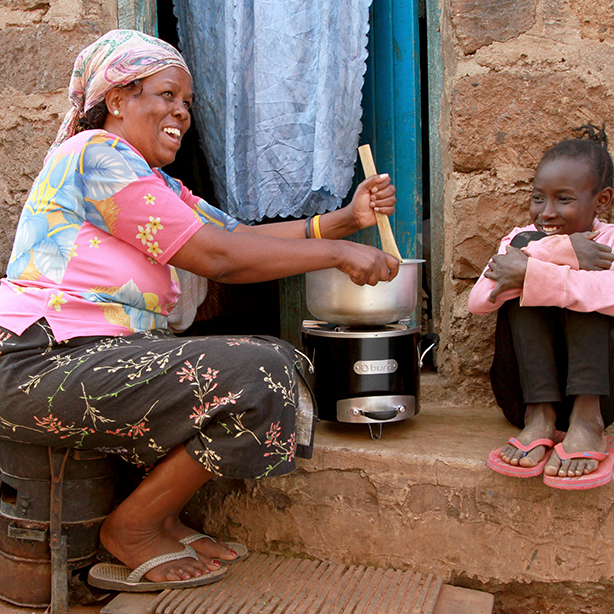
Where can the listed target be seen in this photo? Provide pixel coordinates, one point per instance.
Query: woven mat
(266, 584)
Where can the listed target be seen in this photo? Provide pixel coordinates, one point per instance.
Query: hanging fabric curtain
(277, 88)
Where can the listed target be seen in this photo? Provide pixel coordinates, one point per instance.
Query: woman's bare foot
(539, 419)
(208, 550)
(585, 434)
(134, 543)
(135, 533)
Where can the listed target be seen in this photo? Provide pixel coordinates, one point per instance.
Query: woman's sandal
(496, 463)
(121, 578)
(240, 549)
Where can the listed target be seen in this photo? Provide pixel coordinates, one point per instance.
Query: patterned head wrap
(115, 59)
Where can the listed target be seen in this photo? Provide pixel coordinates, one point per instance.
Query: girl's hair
(593, 149)
(95, 117)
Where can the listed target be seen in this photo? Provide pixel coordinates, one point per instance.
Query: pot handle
(434, 340)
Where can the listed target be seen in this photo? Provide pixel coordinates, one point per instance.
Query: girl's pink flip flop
(496, 463)
(602, 475)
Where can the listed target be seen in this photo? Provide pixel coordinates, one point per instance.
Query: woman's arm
(374, 194)
(238, 257)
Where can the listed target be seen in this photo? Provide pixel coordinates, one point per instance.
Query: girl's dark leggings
(550, 354)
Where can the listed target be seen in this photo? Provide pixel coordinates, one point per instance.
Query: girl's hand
(375, 193)
(591, 256)
(507, 270)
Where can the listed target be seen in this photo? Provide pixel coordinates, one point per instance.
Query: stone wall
(519, 76)
(39, 41)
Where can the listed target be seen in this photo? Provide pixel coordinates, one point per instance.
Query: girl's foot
(585, 434)
(540, 419)
(209, 551)
(134, 543)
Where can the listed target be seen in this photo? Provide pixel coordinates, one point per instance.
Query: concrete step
(457, 600)
(422, 498)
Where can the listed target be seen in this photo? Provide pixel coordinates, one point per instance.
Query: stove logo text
(375, 367)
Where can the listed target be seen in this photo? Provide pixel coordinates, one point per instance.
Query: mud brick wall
(38, 44)
(519, 76)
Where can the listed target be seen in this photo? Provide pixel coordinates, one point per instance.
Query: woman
(94, 254)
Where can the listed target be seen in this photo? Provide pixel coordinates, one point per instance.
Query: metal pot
(333, 297)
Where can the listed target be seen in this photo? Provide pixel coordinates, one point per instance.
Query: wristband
(308, 228)
(316, 227)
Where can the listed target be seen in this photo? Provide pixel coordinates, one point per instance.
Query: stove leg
(375, 436)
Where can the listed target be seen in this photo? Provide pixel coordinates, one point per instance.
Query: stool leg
(57, 541)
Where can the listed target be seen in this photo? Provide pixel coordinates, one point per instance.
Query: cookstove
(368, 375)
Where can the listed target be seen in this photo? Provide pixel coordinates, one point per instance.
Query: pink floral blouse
(94, 239)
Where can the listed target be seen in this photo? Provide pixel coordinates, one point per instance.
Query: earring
(116, 112)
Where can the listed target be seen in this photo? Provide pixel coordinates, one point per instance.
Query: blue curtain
(277, 99)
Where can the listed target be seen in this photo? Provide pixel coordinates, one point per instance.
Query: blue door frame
(391, 117)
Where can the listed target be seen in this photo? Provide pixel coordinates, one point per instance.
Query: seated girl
(553, 287)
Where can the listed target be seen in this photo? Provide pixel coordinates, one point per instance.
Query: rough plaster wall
(519, 76)
(38, 44)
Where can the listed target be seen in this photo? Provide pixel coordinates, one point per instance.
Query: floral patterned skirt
(239, 404)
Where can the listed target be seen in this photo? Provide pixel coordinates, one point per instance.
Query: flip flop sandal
(121, 578)
(240, 549)
(601, 476)
(496, 463)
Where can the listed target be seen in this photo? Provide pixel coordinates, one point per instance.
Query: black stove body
(364, 375)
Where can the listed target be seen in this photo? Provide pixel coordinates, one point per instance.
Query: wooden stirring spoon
(389, 245)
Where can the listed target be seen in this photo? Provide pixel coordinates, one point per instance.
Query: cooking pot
(333, 297)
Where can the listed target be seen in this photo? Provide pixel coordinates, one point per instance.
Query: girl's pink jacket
(553, 278)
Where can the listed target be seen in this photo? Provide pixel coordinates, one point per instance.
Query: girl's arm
(501, 281)
(480, 297)
(582, 250)
(550, 285)
(541, 284)
(589, 251)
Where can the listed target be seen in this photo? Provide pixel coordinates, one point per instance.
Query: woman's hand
(376, 193)
(507, 270)
(591, 256)
(365, 264)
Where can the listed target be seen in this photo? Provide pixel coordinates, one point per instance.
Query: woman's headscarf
(115, 59)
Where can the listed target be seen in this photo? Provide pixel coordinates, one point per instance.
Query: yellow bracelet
(316, 227)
